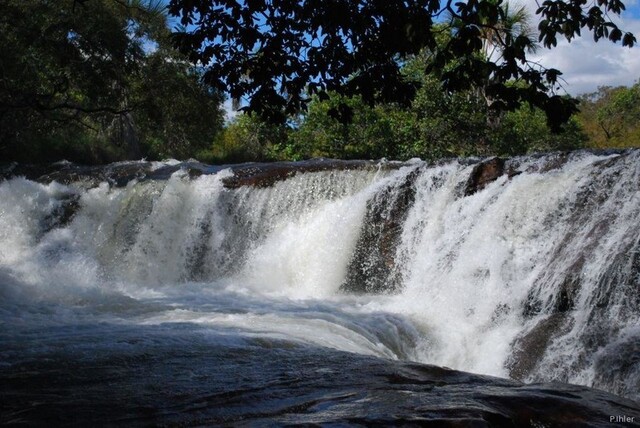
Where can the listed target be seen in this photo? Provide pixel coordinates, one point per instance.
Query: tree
(525, 131)
(436, 125)
(516, 24)
(369, 134)
(175, 114)
(512, 23)
(249, 139)
(98, 80)
(611, 116)
(277, 53)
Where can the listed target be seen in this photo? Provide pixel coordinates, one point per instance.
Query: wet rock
(618, 367)
(62, 214)
(267, 174)
(193, 169)
(371, 269)
(194, 173)
(529, 349)
(263, 175)
(487, 172)
(551, 162)
(533, 305)
(567, 292)
(278, 384)
(30, 172)
(118, 174)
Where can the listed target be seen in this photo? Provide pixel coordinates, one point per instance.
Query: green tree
(369, 134)
(611, 116)
(81, 79)
(449, 124)
(249, 139)
(277, 53)
(526, 131)
(175, 115)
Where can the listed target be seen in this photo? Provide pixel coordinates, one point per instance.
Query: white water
(269, 263)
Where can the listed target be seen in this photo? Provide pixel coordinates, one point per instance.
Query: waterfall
(528, 268)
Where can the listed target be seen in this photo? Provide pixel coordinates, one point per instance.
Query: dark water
(187, 375)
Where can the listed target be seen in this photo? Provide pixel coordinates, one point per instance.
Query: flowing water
(166, 297)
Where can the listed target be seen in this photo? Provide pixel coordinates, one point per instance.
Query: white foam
(190, 251)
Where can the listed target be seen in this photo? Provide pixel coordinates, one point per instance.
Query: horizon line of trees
(436, 126)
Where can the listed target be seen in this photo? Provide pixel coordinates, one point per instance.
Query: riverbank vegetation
(99, 81)
(436, 125)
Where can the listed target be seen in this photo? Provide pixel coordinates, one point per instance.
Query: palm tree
(511, 24)
(497, 32)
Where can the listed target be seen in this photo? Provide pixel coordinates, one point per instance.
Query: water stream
(533, 276)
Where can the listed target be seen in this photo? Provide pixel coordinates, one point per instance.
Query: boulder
(529, 348)
(486, 172)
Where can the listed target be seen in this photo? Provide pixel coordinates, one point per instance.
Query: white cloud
(586, 64)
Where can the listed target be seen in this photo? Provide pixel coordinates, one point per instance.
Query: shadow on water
(186, 374)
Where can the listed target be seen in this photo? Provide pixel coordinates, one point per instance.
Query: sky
(586, 65)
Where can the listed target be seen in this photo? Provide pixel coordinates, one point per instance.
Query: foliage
(277, 53)
(436, 125)
(97, 81)
(525, 131)
(246, 139)
(611, 116)
(448, 125)
(368, 135)
(175, 116)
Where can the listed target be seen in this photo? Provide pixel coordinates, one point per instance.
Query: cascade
(526, 269)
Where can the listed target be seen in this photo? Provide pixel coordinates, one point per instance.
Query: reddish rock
(485, 173)
(267, 174)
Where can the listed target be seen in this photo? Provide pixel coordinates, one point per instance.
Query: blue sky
(633, 10)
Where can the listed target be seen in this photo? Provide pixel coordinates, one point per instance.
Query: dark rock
(118, 174)
(194, 173)
(260, 176)
(30, 172)
(533, 305)
(552, 162)
(619, 364)
(566, 295)
(62, 214)
(277, 386)
(371, 269)
(267, 174)
(487, 172)
(529, 348)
